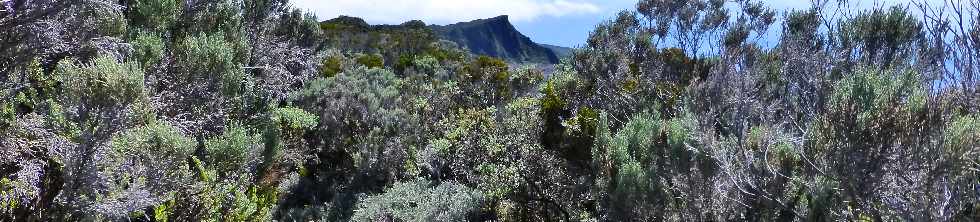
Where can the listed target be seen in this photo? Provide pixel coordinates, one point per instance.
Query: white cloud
(444, 11)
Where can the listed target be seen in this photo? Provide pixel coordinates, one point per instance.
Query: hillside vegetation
(251, 110)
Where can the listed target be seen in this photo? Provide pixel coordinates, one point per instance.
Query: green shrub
(148, 48)
(159, 155)
(419, 201)
(962, 142)
(155, 15)
(498, 180)
(103, 82)
(871, 116)
(426, 64)
(871, 92)
(331, 66)
(635, 141)
(525, 79)
(371, 61)
(492, 68)
(551, 101)
(627, 162)
(110, 23)
(252, 204)
(681, 144)
(229, 152)
(210, 60)
(157, 142)
(883, 36)
(294, 118)
(217, 17)
(464, 129)
(7, 115)
(42, 85)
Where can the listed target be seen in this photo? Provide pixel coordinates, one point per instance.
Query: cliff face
(496, 37)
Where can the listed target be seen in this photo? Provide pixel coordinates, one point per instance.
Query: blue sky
(556, 22)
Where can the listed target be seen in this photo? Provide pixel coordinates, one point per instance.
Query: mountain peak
(496, 37)
(503, 18)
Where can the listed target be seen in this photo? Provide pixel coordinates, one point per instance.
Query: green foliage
(256, 11)
(103, 82)
(293, 118)
(284, 133)
(682, 143)
(498, 180)
(371, 61)
(344, 22)
(331, 66)
(148, 49)
(587, 120)
(552, 101)
(232, 110)
(360, 115)
(872, 93)
(252, 204)
(160, 153)
(301, 27)
(526, 78)
(962, 142)
(601, 157)
(635, 142)
(627, 161)
(154, 15)
(882, 35)
(425, 64)
(216, 17)
(681, 68)
(419, 201)
(212, 61)
(868, 116)
(42, 86)
(569, 125)
(804, 25)
(7, 115)
(157, 143)
(493, 69)
(464, 130)
(162, 212)
(230, 151)
(110, 23)
(7, 202)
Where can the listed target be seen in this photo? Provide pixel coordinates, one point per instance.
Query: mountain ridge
(496, 37)
(560, 51)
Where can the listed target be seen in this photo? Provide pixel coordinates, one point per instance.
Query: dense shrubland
(228, 110)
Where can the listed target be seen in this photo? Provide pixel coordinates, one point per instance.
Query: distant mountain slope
(496, 37)
(559, 51)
